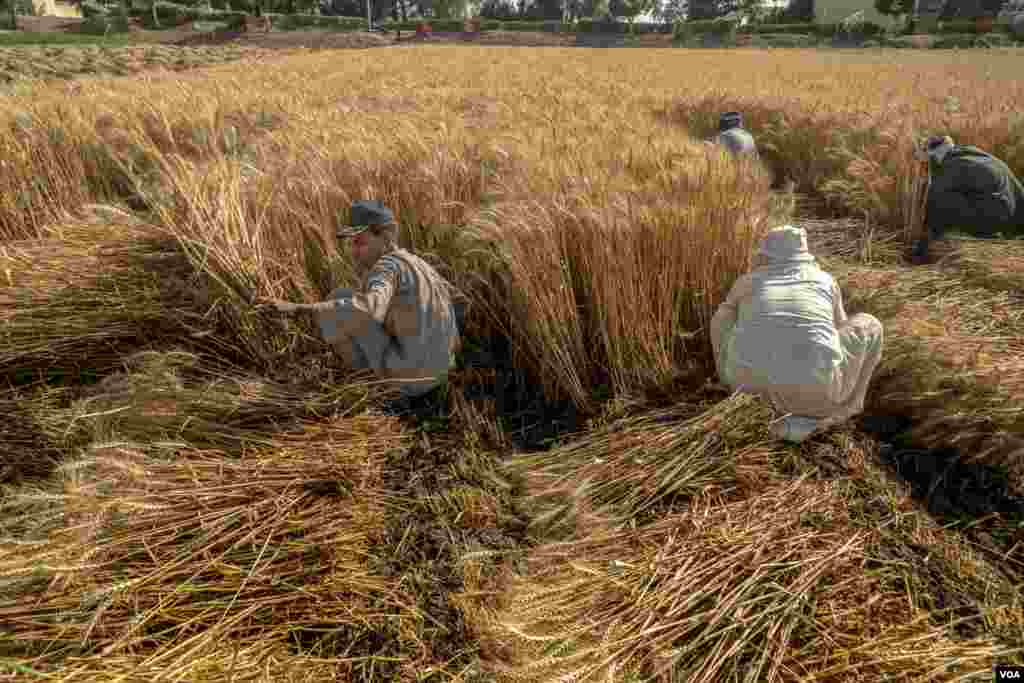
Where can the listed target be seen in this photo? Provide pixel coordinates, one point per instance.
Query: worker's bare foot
(795, 428)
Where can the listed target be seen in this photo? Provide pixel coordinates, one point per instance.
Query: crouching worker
(783, 333)
(401, 322)
(733, 137)
(970, 191)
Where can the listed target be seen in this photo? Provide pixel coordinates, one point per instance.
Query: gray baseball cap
(365, 215)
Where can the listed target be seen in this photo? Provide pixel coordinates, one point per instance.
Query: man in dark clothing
(733, 137)
(970, 190)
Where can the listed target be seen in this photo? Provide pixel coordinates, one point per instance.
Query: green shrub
(490, 25)
(778, 29)
(105, 25)
(93, 9)
(304, 20)
(682, 31)
(723, 28)
(25, 8)
(871, 44)
(716, 27)
(854, 30)
(400, 25)
(869, 28)
(958, 27)
(532, 26)
(294, 22)
(963, 40)
(341, 24)
(898, 42)
(994, 40)
(446, 25)
(647, 27)
(787, 40)
(171, 14)
(693, 28)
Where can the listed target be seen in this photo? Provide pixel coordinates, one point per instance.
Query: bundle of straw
(631, 466)
(84, 297)
(25, 449)
(178, 396)
(951, 361)
(179, 559)
(744, 592)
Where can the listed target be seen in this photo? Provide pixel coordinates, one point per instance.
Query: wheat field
(194, 489)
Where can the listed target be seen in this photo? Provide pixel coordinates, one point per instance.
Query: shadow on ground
(972, 497)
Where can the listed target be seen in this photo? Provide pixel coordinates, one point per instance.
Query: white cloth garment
(783, 333)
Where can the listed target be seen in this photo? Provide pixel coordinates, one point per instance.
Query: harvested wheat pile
(770, 588)
(26, 451)
(174, 557)
(636, 467)
(952, 359)
(176, 396)
(88, 294)
(993, 264)
(28, 64)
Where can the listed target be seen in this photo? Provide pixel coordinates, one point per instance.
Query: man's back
(420, 319)
(979, 175)
(739, 142)
(786, 327)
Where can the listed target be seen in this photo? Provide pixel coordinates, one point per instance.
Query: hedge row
(584, 25)
(723, 27)
(185, 11)
(173, 14)
(288, 22)
(969, 27)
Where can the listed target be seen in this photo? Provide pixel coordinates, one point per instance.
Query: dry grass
(175, 556)
(20, 67)
(952, 359)
(89, 293)
(173, 396)
(226, 506)
(635, 467)
(776, 587)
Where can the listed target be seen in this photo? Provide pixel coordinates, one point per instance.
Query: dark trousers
(977, 216)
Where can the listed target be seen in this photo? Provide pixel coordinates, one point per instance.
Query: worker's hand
(281, 306)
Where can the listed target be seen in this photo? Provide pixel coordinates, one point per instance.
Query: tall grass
(623, 285)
